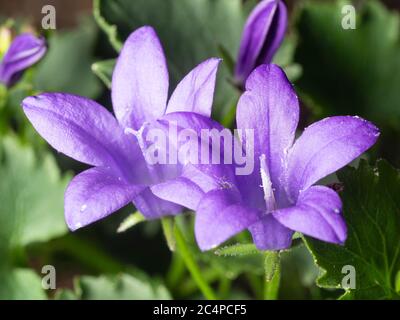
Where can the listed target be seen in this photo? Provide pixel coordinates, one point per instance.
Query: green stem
(189, 287)
(256, 285)
(224, 286)
(176, 270)
(192, 266)
(271, 288)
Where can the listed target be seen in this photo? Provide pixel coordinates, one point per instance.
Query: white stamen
(267, 184)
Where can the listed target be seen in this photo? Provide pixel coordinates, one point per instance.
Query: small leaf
(271, 264)
(132, 220)
(104, 69)
(168, 230)
(237, 250)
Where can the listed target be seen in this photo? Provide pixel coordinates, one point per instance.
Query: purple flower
(87, 132)
(279, 197)
(24, 51)
(262, 35)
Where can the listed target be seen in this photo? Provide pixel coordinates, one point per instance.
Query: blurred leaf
(227, 58)
(351, 71)
(397, 285)
(132, 220)
(31, 197)
(3, 95)
(167, 224)
(293, 71)
(285, 55)
(116, 287)
(371, 209)
(67, 64)
(237, 250)
(104, 70)
(65, 294)
(299, 274)
(190, 31)
(21, 284)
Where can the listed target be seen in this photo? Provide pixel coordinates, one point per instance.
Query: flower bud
(24, 51)
(262, 35)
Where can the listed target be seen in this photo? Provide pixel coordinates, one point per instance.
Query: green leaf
(351, 71)
(31, 197)
(67, 64)
(115, 287)
(104, 70)
(20, 284)
(371, 209)
(132, 220)
(237, 250)
(190, 31)
(271, 264)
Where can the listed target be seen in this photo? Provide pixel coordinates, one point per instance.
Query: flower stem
(271, 287)
(176, 270)
(192, 266)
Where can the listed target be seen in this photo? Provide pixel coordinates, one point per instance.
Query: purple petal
(197, 125)
(181, 191)
(190, 120)
(94, 194)
(25, 51)
(219, 217)
(270, 107)
(85, 131)
(140, 80)
(269, 234)
(262, 35)
(195, 92)
(194, 178)
(325, 147)
(153, 207)
(316, 214)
